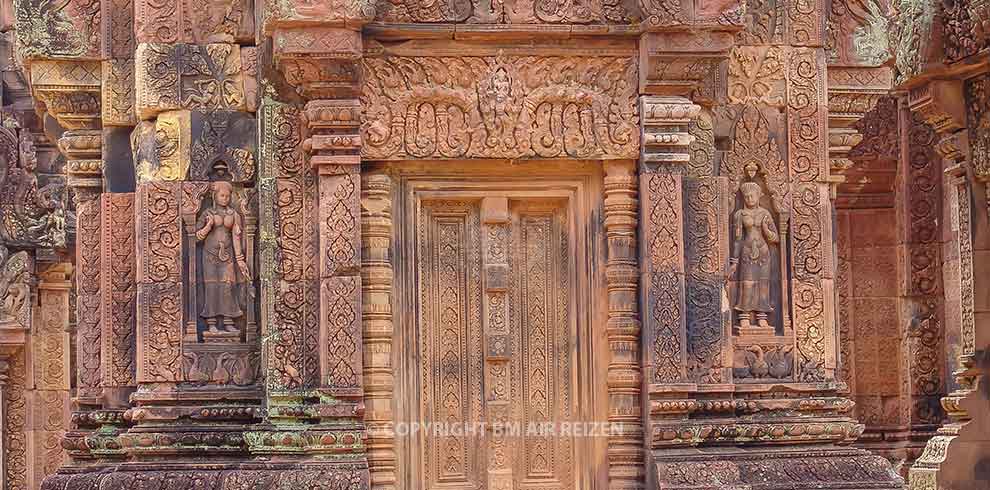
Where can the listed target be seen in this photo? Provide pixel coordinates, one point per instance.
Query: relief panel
(499, 107)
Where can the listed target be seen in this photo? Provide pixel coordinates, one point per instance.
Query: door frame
(581, 183)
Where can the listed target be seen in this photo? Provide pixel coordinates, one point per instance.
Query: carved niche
(195, 145)
(221, 327)
(500, 107)
(757, 273)
(198, 228)
(31, 214)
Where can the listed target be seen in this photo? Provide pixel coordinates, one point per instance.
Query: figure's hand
(201, 234)
(242, 265)
(733, 265)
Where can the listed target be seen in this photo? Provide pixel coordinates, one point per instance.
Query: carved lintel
(339, 13)
(853, 92)
(673, 14)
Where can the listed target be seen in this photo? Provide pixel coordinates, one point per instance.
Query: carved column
(335, 147)
(625, 444)
(318, 223)
(118, 290)
(377, 328)
(666, 151)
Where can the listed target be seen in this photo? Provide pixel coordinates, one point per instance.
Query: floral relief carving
(501, 12)
(500, 107)
(188, 76)
(756, 76)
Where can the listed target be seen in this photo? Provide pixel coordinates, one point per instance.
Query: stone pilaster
(625, 444)
(958, 121)
(49, 397)
(84, 171)
(377, 328)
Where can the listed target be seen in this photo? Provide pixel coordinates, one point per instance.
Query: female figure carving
(754, 231)
(220, 228)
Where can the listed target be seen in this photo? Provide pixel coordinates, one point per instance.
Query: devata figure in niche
(220, 229)
(754, 233)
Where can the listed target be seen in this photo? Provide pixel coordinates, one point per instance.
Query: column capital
(666, 129)
(82, 149)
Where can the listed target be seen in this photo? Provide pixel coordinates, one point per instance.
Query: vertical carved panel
(341, 310)
(539, 308)
(500, 344)
(846, 372)
(88, 297)
(706, 252)
(811, 267)
(805, 22)
(289, 250)
(922, 169)
(119, 290)
(968, 320)
(450, 338)
(340, 208)
(50, 341)
(117, 99)
(160, 294)
(118, 28)
(15, 422)
(664, 255)
(50, 356)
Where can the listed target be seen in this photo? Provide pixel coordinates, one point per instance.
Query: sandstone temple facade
(253, 244)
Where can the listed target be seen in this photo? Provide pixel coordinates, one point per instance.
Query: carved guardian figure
(220, 230)
(754, 233)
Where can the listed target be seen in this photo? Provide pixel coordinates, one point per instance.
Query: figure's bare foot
(744, 322)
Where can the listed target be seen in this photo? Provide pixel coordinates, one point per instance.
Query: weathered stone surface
(750, 241)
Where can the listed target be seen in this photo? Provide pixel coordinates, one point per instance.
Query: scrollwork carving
(500, 107)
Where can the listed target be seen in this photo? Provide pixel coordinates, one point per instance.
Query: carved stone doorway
(496, 352)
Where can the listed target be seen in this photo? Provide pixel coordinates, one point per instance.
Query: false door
(496, 342)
